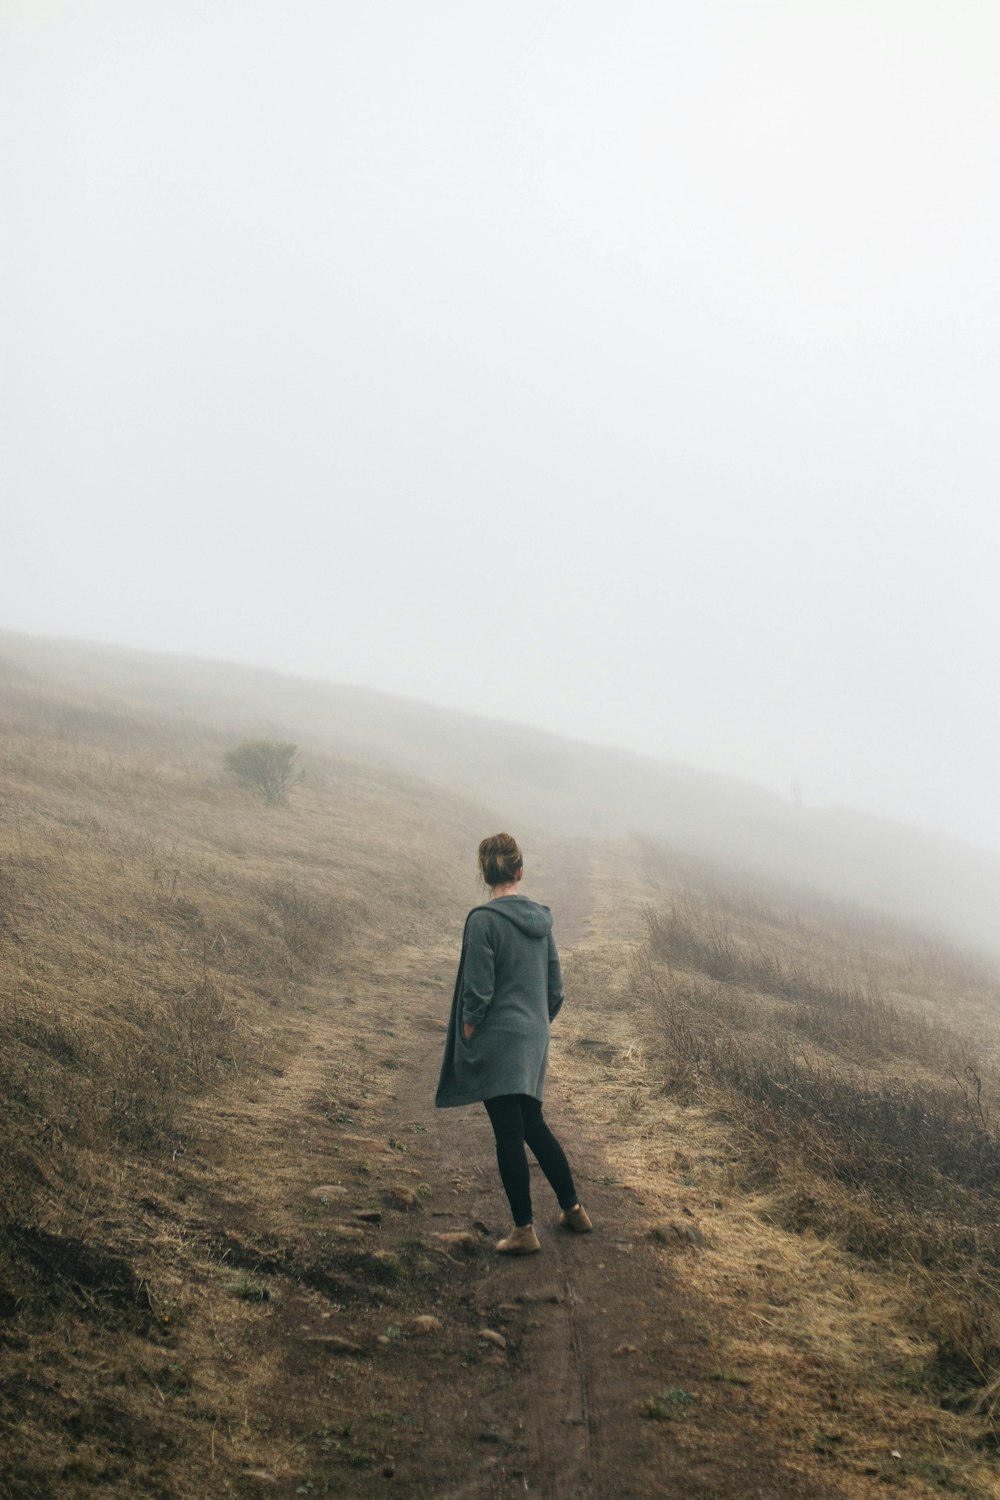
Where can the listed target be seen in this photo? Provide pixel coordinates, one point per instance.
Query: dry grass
(810, 1292)
(860, 1114)
(166, 945)
(198, 994)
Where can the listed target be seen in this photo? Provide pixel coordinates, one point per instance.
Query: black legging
(516, 1119)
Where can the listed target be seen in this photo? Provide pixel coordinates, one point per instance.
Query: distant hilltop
(532, 778)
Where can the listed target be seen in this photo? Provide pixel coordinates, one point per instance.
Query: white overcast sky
(624, 368)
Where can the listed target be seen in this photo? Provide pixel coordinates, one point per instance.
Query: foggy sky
(629, 369)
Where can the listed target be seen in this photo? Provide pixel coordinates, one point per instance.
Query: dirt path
(597, 1380)
(604, 1389)
(609, 1394)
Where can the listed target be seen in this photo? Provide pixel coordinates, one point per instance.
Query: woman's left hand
(467, 1031)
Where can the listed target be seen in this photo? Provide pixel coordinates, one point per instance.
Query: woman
(509, 988)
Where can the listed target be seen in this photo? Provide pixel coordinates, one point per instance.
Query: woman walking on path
(509, 987)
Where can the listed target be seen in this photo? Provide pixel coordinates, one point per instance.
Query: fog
(625, 370)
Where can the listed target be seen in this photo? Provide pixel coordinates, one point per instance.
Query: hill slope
(224, 1186)
(529, 776)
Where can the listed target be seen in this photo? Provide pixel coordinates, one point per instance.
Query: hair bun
(500, 859)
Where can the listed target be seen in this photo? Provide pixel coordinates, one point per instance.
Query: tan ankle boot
(576, 1219)
(522, 1240)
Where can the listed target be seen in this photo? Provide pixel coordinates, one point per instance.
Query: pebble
(427, 1323)
(490, 1336)
(402, 1198)
(334, 1344)
(459, 1240)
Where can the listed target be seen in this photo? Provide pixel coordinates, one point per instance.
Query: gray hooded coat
(509, 986)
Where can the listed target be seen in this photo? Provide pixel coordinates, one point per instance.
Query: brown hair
(499, 859)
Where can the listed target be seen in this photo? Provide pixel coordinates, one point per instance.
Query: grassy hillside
(166, 940)
(218, 1022)
(858, 1066)
(539, 778)
(817, 1089)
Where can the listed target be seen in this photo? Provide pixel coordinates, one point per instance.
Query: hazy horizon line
(541, 730)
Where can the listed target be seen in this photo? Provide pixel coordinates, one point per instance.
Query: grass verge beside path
(823, 1088)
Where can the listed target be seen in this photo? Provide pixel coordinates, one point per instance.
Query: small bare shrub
(200, 1029)
(267, 765)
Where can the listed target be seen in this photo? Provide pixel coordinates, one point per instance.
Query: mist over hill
(529, 777)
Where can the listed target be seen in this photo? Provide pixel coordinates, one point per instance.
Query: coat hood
(528, 916)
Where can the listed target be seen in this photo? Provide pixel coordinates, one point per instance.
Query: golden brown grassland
(817, 1085)
(166, 941)
(824, 1084)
